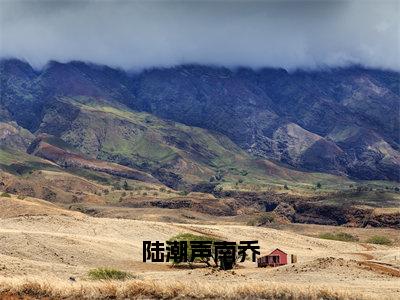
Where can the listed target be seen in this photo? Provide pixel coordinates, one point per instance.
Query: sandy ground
(63, 244)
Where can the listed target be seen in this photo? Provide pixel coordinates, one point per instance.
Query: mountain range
(191, 123)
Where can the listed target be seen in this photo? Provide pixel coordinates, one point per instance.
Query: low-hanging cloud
(140, 34)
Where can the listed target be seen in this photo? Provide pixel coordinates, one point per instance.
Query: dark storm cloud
(136, 34)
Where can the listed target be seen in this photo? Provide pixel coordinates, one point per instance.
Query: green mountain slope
(178, 155)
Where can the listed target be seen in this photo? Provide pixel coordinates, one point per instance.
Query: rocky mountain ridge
(340, 121)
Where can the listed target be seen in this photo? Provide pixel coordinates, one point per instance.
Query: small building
(274, 259)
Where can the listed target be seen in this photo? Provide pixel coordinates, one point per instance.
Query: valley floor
(48, 249)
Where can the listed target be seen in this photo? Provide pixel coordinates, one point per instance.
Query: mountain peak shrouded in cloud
(139, 34)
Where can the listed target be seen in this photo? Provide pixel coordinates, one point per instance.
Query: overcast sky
(137, 34)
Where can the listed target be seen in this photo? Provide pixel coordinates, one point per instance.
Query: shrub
(162, 189)
(219, 175)
(286, 187)
(183, 193)
(126, 186)
(244, 173)
(263, 218)
(380, 240)
(108, 274)
(192, 237)
(21, 197)
(319, 185)
(338, 236)
(218, 189)
(144, 194)
(5, 195)
(116, 186)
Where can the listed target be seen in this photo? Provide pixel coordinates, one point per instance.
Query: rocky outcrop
(14, 137)
(316, 209)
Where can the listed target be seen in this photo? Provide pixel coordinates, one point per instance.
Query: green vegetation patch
(98, 177)
(5, 195)
(338, 236)
(379, 240)
(188, 237)
(108, 274)
(19, 163)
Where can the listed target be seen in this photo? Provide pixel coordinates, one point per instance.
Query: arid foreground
(46, 252)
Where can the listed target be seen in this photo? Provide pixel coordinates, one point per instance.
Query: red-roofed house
(274, 259)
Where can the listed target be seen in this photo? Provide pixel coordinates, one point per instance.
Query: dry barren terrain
(47, 245)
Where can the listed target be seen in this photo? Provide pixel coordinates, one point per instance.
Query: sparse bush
(219, 175)
(183, 193)
(251, 222)
(123, 194)
(338, 236)
(380, 240)
(162, 189)
(108, 274)
(263, 218)
(116, 186)
(244, 173)
(21, 197)
(240, 180)
(5, 195)
(286, 187)
(49, 194)
(218, 189)
(144, 194)
(188, 237)
(318, 185)
(126, 186)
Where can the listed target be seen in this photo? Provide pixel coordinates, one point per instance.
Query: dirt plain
(40, 240)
